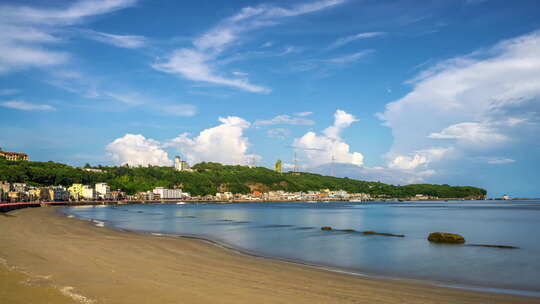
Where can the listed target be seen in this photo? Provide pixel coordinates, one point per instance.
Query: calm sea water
(292, 231)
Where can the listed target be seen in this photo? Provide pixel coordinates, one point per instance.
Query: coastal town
(101, 192)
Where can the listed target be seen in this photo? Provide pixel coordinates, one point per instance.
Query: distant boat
(355, 201)
(181, 203)
(312, 202)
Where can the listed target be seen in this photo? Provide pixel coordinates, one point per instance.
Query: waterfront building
(103, 191)
(57, 193)
(19, 187)
(5, 186)
(180, 165)
(165, 193)
(76, 191)
(13, 156)
(34, 194)
(88, 193)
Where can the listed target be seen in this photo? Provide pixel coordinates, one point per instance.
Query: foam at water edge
(98, 223)
(68, 291)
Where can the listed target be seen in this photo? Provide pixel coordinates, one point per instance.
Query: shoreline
(322, 267)
(164, 268)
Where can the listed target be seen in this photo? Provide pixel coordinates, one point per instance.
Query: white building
(180, 165)
(103, 191)
(165, 193)
(88, 193)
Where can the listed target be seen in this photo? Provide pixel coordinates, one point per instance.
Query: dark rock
(446, 238)
(494, 246)
(326, 228)
(369, 232)
(348, 230)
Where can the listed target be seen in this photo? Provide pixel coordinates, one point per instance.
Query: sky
(405, 91)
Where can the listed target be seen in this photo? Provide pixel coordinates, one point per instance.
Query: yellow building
(14, 155)
(76, 191)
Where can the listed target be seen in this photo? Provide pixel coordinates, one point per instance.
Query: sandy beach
(49, 258)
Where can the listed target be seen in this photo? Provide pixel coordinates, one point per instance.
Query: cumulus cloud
(137, 150)
(27, 32)
(25, 106)
(418, 158)
(199, 62)
(224, 143)
(329, 147)
(473, 105)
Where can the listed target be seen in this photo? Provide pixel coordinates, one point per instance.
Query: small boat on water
(181, 203)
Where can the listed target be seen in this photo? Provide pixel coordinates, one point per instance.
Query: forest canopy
(210, 178)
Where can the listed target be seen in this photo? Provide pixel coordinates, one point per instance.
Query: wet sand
(54, 259)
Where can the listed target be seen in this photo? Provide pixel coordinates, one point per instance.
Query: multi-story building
(13, 155)
(88, 193)
(165, 193)
(19, 187)
(57, 193)
(76, 191)
(180, 165)
(5, 187)
(103, 191)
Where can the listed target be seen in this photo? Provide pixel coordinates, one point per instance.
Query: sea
(291, 231)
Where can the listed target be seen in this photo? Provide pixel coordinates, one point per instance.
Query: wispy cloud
(279, 133)
(26, 33)
(4, 92)
(199, 62)
(348, 58)
(122, 41)
(285, 120)
(185, 110)
(346, 40)
(25, 106)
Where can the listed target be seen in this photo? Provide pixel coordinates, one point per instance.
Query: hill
(209, 178)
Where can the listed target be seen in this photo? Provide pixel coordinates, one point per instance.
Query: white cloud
(25, 106)
(348, 58)
(497, 160)
(180, 110)
(224, 143)
(303, 114)
(26, 31)
(280, 133)
(472, 133)
(419, 158)
(323, 149)
(199, 63)
(122, 41)
(194, 65)
(285, 120)
(346, 40)
(137, 150)
(478, 104)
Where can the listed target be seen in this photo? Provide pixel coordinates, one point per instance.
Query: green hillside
(209, 178)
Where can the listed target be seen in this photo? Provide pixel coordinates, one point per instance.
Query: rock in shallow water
(446, 238)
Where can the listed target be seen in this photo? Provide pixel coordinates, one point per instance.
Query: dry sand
(54, 259)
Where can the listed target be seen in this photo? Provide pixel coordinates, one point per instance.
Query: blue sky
(395, 91)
